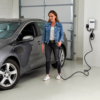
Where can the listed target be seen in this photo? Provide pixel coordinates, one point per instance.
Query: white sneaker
(46, 78)
(58, 77)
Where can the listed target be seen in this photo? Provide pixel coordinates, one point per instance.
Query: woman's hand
(42, 47)
(59, 44)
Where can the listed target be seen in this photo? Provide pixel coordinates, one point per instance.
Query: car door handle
(39, 42)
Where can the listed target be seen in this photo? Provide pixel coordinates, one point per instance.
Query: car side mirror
(27, 38)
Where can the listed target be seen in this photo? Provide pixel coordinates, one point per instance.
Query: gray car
(20, 49)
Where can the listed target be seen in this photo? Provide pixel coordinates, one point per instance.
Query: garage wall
(80, 29)
(6, 8)
(91, 10)
(76, 29)
(15, 13)
(9, 8)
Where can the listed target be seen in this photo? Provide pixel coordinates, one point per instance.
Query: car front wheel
(9, 74)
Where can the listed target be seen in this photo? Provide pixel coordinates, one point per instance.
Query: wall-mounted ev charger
(90, 27)
(91, 23)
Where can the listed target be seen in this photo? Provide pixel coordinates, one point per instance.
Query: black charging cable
(86, 71)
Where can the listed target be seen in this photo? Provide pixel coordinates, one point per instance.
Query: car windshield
(7, 29)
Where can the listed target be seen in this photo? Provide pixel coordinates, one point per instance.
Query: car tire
(9, 74)
(62, 58)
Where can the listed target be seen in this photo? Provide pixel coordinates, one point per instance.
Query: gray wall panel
(59, 1)
(31, 12)
(64, 12)
(31, 2)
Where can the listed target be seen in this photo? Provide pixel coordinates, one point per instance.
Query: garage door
(40, 9)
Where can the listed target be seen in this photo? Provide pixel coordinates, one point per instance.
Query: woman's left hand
(59, 44)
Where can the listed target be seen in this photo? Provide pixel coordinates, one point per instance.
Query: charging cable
(86, 71)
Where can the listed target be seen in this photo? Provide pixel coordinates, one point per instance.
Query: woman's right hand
(42, 47)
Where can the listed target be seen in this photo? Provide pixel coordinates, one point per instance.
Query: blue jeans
(48, 49)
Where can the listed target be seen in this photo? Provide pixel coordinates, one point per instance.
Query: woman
(52, 38)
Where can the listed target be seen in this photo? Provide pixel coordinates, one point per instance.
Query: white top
(52, 34)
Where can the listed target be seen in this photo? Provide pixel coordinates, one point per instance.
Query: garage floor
(79, 87)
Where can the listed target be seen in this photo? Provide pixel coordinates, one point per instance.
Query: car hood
(4, 42)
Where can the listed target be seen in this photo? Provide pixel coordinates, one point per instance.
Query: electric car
(20, 49)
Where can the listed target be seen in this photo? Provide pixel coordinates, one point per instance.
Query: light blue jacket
(58, 32)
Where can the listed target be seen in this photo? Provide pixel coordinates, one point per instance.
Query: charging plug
(87, 25)
(92, 36)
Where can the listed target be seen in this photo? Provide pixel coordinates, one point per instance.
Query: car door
(36, 54)
(30, 56)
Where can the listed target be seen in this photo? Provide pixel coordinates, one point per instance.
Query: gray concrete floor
(79, 87)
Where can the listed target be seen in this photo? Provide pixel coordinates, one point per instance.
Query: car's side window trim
(23, 28)
(36, 30)
(33, 23)
(27, 24)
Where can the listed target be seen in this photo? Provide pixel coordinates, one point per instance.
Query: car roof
(21, 20)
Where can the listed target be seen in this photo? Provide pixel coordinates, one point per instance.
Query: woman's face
(52, 17)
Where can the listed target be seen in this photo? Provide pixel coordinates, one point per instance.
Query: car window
(28, 30)
(41, 26)
(7, 29)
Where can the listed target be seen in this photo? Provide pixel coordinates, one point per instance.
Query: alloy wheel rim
(8, 74)
(61, 57)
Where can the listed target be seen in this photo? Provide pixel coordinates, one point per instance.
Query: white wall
(80, 29)
(15, 8)
(91, 10)
(6, 8)
(9, 8)
(76, 29)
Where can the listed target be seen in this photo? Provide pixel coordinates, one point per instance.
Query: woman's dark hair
(52, 11)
